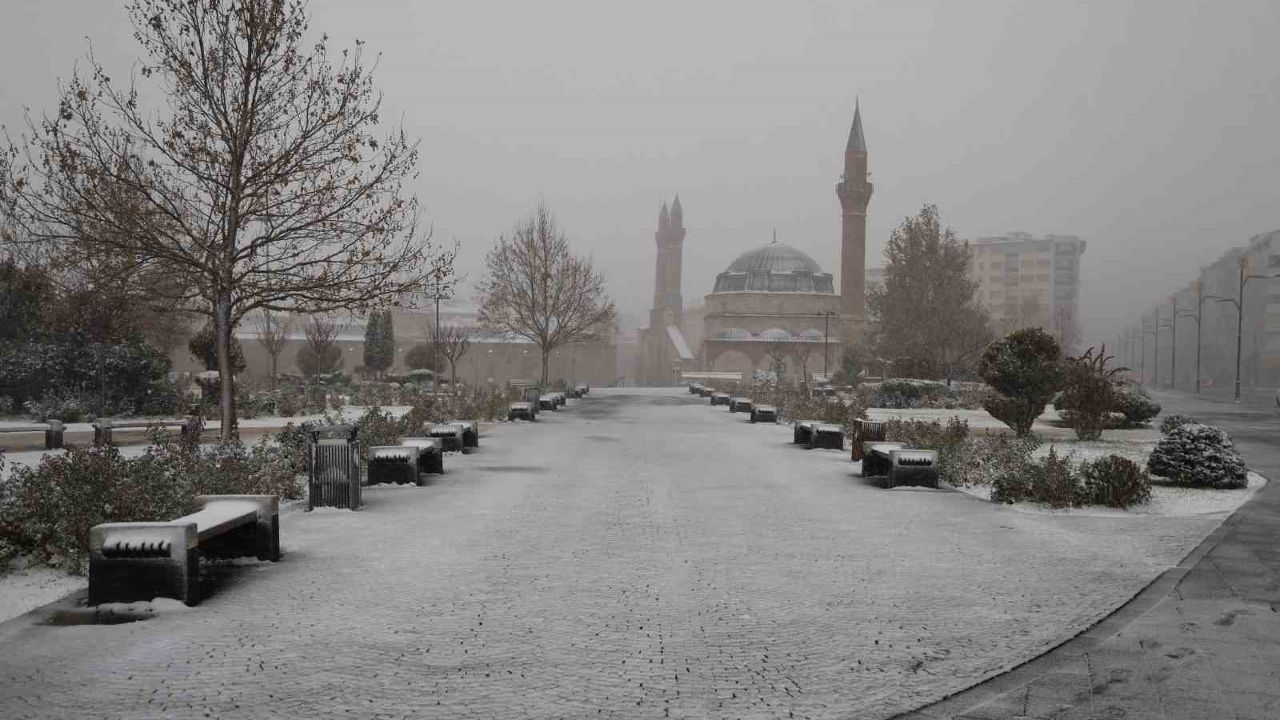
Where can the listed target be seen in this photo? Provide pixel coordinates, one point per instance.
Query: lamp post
(1194, 316)
(1172, 324)
(1142, 373)
(1238, 302)
(826, 328)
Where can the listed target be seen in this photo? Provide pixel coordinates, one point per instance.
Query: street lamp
(1142, 373)
(1172, 324)
(1238, 302)
(826, 328)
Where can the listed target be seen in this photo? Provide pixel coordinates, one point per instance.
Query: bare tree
(261, 184)
(536, 288)
(321, 354)
(273, 334)
(801, 352)
(452, 342)
(778, 350)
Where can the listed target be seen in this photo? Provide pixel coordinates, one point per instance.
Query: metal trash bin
(333, 468)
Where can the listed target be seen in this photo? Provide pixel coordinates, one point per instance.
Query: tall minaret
(667, 302)
(854, 192)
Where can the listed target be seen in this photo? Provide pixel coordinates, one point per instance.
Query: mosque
(771, 298)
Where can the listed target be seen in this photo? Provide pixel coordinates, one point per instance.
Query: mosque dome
(775, 267)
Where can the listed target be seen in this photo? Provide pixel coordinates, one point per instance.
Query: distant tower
(667, 302)
(854, 192)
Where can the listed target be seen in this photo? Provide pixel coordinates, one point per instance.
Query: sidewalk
(1202, 641)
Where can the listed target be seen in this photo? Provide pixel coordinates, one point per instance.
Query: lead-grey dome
(774, 268)
(774, 258)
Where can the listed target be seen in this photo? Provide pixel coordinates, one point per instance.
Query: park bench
(764, 413)
(707, 391)
(522, 410)
(720, 398)
(397, 464)
(104, 429)
(452, 436)
(430, 454)
(801, 431)
(574, 393)
(695, 388)
(584, 388)
(470, 432)
(865, 431)
(827, 436)
(547, 402)
(53, 432)
(899, 465)
(740, 404)
(131, 561)
(560, 399)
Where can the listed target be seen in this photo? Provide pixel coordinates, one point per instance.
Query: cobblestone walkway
(636, 555)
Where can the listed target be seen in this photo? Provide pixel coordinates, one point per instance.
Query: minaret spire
(857, 141)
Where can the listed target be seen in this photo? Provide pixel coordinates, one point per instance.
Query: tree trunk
(453, 373)
(274, 359)
(546, 369)
(226, 379)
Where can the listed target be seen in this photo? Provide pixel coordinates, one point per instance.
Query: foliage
(204, 347)
(24, 290)
(67, 374)
(1135, 403)
(1024, 369)
(1113, 481)
(420, 357)
(258, 181)
(1199, 456)
(379, 342)
(536, 287)
(1052, 481)
(1089, 392)
(927, 308)
(1173, 422)
(273, 335)
(320, 355)
(853, 362)
(376, 427)
(46, 511)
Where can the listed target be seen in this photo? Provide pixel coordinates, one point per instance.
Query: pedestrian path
(1203, 641)
(635, 555)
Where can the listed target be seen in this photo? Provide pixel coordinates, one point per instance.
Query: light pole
(1238, 301)
(1194, 316)
(1173, 339)
(1142, 374)
(826, 327)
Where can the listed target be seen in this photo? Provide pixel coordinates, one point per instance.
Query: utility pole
(1155, 348)
(1142, 376)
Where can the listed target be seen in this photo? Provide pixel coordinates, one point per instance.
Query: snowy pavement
(635, 555)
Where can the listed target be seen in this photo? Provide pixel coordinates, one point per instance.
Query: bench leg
(135, 579)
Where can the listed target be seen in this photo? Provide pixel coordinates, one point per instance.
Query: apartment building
(1025, 281)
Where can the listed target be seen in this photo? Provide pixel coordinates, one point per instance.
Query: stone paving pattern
(635, 555)
(1202, 643)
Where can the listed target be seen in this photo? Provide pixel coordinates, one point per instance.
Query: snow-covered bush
(1199, 456)
(1135, 403)
(1173, 422)
(1113, 481)
(1052, 481)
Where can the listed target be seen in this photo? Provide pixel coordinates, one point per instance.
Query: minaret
(667, 302)
(854, 192)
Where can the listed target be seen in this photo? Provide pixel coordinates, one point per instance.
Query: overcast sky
(1150, 128)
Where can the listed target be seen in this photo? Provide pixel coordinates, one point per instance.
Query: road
(635, 555)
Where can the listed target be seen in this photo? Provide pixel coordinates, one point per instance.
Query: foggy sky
(1150, 128)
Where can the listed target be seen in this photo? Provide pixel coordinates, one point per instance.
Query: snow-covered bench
(826, 435)
(132, 561)
(103, 429)
(900, 465)
(740, 404)
(53, 432)
(559, 399)
(452, 436)
(764, 413)
(720, 398)
(707, 391)
(470, 432)
(394, 464)
(523, 410)
(584, 388)
(695, 388)
(801, 430)
(430, 454)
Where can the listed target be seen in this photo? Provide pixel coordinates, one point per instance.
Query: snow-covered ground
(635, 537)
